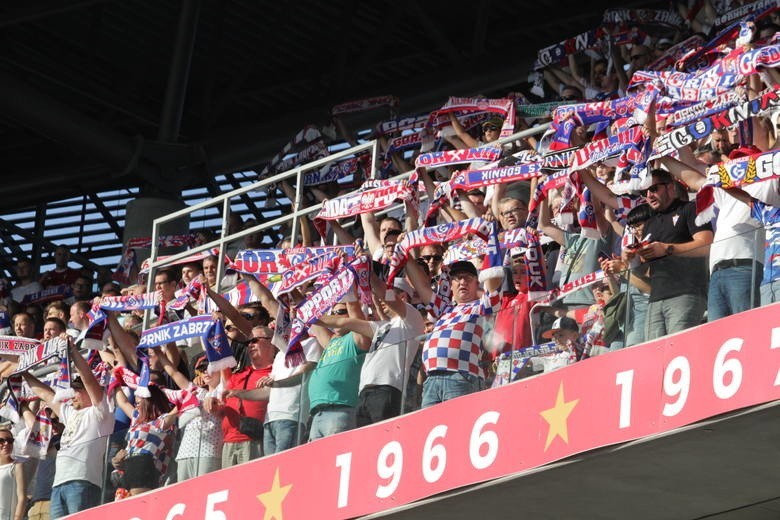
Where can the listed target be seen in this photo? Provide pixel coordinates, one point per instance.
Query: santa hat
(217, 347)
(493, 261)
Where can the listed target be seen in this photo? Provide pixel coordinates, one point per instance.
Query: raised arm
(124, 341)
(370, 231)
(230, 312)
(692, 176)
(42, 391)
(170, 369)
(419, 280)
(599, 190)
(546, 226)
(262, 293)
(342, 235)
(361, 327)
(461, 132)
(123, 403)
(91, 385)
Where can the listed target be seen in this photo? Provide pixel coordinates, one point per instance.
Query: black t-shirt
(675, 275)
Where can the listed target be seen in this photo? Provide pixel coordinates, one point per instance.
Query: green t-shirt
(337, 376)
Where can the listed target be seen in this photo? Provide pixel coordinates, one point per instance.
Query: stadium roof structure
(156, 98)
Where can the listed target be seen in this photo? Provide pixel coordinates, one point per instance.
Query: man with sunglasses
(238, 446)
(432, 255)
(677, 256)
(735, 255)
(333, 386)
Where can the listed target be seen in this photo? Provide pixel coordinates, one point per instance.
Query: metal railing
(296, 213)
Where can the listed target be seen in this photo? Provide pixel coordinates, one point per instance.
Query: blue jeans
(443, 386)
(770, 292)
(730, 291)
(72, 497)
(673, 315)
(332, 420)
(281, 435)
(637, 314)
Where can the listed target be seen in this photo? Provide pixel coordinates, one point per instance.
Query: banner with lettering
(15, 345)
(41, 352)
(195, 327)
(746, 170)
(698, 129)
(713, 369)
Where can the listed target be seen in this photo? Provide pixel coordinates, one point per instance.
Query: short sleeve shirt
(674, 275)
(455, 343)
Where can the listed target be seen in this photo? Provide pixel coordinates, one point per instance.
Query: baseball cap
(563, 323)
(462, 266)
(494, 121)
(403, 285)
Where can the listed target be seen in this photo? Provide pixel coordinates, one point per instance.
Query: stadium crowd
(648, 207)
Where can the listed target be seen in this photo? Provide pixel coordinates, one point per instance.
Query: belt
(733, 262)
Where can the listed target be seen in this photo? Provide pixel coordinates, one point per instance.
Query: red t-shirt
(512, 327)
(54, 278)
(244, 378)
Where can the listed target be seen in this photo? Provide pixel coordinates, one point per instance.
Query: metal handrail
(294, 215)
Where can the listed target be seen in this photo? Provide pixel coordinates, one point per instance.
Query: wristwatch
(669, 249)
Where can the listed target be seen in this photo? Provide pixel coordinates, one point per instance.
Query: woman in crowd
(149, 439)
(12, 491)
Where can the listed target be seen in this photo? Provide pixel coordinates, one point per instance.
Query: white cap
(400, 283)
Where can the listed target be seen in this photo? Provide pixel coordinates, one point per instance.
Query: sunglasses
(435, 258)
(6, 440)
(653, 189)
(230, 328)
(340, 312)
(490, 128)
(248, 315)
(257, 339)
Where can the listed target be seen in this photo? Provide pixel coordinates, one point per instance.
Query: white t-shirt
(83, 443)
(285, 403)
(18, 293)
(389, 363)
(737, 234)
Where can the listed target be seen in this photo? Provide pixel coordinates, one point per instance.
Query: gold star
(272, 499)
(557, 417)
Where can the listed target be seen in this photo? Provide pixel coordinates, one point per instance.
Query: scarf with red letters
(434, 235)
(361, 105)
